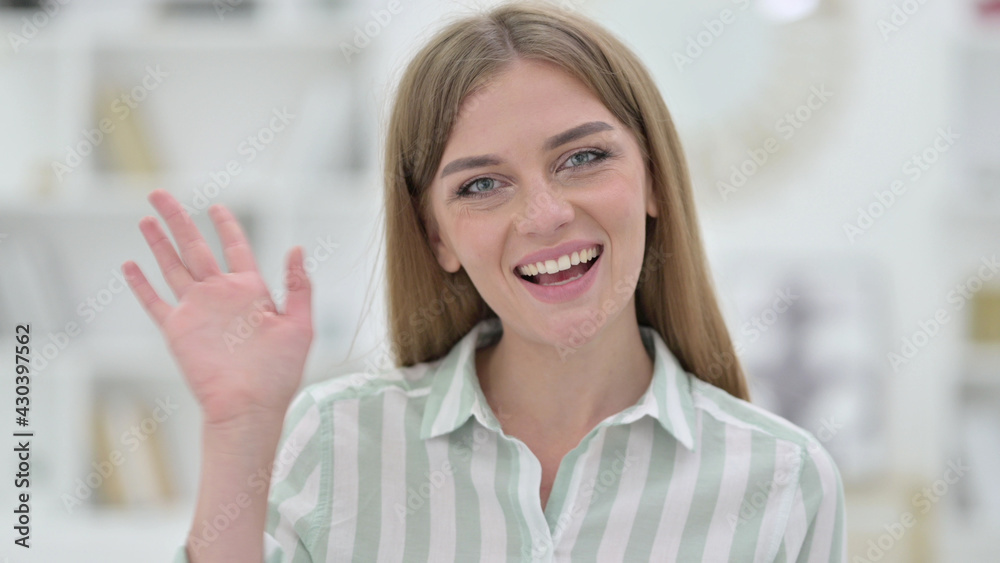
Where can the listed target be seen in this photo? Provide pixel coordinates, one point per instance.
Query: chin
(574, 327)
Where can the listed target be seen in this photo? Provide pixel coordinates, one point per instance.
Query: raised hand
(242, 359)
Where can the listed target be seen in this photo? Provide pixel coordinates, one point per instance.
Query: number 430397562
(22, 368)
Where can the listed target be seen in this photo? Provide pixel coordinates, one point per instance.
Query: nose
(543, 212)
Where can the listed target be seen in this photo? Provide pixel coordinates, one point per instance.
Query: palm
(238, 354)
(232, 347)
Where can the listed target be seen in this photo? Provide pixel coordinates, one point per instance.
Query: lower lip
(567, 291)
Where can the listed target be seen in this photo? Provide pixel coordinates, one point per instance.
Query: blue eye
(464, 191)
(595, 154)
(578, 162)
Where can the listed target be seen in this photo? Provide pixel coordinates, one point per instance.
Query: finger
(299, 301)
(174, 271)
(193, 248)
(235, 247)
(150, 301)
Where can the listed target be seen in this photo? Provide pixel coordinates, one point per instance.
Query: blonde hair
(430, 309)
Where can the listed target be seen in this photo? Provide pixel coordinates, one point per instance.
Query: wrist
(233, 409)
(247, 436)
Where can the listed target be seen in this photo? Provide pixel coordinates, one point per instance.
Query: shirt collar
(455, 394)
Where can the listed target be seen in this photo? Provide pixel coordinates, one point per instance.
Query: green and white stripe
(391, 468)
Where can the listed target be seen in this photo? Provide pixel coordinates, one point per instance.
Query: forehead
(528, 101)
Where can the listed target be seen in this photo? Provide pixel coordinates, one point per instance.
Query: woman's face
(535, 168)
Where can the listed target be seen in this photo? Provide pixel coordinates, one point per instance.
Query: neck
(540, 389)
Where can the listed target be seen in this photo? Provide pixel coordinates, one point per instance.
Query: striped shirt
(389, 467)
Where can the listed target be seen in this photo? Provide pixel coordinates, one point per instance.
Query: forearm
(231, 510)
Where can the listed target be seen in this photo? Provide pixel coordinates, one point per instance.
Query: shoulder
(318, 403)
(802, 452)
(730, 410)
(814, 514)
(330, 413)
(413, 381)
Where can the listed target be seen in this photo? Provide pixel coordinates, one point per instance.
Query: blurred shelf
(225, 80)
(982, 366)
(139, 358)
(880, 502)
(243, 38)
(981, 36)
(146, 26)
(96, 206)
(974, 56)
(108, 534)
(117, 194)
(970, 541)
(980, 215)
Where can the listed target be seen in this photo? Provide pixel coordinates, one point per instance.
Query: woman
(547, 281)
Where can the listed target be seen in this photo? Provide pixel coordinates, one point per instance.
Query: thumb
(299, 301)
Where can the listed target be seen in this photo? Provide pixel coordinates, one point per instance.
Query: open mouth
(561, 271)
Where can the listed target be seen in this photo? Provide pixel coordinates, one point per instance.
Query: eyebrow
(552, 142)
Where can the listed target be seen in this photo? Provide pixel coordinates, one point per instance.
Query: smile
(563, 286)
(562, 270)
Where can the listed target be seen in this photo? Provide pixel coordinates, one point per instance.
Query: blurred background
(845, 156)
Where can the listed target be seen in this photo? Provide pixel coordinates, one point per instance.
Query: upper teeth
(564, 262)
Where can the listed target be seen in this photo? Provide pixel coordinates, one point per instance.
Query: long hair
(430, 309)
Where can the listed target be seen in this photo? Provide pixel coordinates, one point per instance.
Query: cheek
(478, 240)
(619, 210)
(620, 207)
